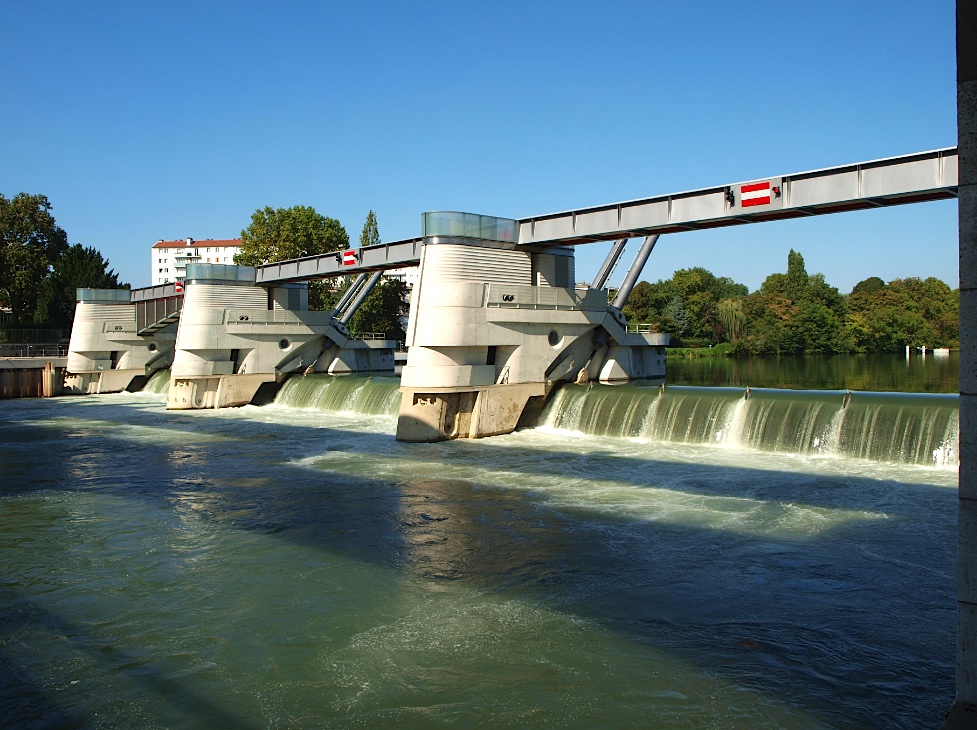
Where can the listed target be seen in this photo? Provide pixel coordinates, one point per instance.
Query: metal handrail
(23, 349)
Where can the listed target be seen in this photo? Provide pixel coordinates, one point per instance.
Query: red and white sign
(755, 194)
(179, 287)
(349, 257)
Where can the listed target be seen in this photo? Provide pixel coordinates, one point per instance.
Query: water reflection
(875, 372)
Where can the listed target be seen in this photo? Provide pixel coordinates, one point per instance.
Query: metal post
(609, 263)
(963, 714)
(635, 271)
(363, 294)
(348, 294)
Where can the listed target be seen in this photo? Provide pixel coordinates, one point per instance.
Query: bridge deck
(892, 181)
(879, 183)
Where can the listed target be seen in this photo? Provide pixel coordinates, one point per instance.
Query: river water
(921, 373)
(686, 559)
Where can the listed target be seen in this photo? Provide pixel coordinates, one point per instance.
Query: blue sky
(145, 121)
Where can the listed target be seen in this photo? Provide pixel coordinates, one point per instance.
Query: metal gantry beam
(394, 255)
(879, 183)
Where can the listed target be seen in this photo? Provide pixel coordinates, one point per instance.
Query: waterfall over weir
(907, 428)
(376, 396)
(893, 427)
(158, 383)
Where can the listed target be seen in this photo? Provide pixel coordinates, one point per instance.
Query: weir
(496, 320)
(898, 428)
(489, 356)
(889, 427)
(238, 341)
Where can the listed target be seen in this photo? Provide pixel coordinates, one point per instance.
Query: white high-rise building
(170, 258)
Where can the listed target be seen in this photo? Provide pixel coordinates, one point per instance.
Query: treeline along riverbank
(795, 313)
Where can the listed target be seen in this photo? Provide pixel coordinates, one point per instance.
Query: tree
(77, 268)
(371, 234)
(675, 318)
(903, 312)
(797, 278)
(730, 313)
(383, 311)
(278, 234)
(640, 305)
(30, 244)
(726, 288)
(692, 281)
(869, 285)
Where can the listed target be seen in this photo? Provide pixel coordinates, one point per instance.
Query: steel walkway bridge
(877, 184)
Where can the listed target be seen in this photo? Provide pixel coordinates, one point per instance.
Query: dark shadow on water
(25, 703)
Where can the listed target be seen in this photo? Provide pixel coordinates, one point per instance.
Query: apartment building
(170, 258)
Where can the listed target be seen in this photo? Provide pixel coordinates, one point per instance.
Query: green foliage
(383, 311)
(30, 244)
(796, 281)
(39, 272)
(729, 312)
(278, 234)
(686, 306)
(371, 234)
(724, 349)
(77, 268)
(904, 312)
(797, 312)
(869, 285)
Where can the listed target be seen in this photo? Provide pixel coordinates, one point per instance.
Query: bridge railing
(34, 349)
(515, 296)
(640, 329)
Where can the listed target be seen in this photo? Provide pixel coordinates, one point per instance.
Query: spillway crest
(895, 427)
(375, 396)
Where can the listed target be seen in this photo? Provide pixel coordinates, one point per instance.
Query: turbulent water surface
(685, 559)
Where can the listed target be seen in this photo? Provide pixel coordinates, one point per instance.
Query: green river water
(680, 559)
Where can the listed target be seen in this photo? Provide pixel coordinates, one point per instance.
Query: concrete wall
(30, 377)
(964, 711)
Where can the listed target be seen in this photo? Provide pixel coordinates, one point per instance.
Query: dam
(497, 321)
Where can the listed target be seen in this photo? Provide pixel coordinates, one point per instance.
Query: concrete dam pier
(238, 340)
(493, 328)
(112, 347)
